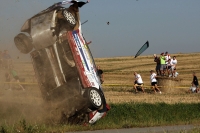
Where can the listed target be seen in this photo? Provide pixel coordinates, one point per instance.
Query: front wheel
(94, 98)
(23, 43)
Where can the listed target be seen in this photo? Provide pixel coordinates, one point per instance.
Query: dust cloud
(18, 104)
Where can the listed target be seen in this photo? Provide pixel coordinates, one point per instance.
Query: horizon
(172, 26)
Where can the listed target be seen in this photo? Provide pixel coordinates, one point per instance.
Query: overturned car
(63, 63)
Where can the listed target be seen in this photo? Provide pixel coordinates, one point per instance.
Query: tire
(94, 98)
(23, 43)
(69, 17)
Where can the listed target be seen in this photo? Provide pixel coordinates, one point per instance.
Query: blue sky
(168, 25)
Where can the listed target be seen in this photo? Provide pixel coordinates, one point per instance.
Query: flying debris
(108, 23)
(84, 22)
(142, 49)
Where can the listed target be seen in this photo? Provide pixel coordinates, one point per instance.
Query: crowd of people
(165, 65)
(10, 74)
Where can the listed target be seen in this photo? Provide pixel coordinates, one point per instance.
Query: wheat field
(119, 70)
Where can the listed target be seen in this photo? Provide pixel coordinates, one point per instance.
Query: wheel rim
(70, 18)
(95, 97)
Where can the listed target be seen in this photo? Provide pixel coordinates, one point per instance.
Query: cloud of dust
(17, 104)
(29, 105)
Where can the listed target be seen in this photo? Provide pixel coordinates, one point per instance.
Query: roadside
(161, 129)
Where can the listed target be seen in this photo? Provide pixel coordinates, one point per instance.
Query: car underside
(63, 64)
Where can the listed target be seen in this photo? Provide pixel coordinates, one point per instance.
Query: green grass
(124, 115)
(145, 114)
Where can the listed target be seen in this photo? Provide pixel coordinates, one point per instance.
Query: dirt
(16, 105)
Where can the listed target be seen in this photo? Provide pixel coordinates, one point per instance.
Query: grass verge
(124, 115)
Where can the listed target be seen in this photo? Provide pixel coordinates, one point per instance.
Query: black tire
(23, 43)
(94, 98)
(71, 19)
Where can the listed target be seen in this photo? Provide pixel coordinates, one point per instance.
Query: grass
(123, 115)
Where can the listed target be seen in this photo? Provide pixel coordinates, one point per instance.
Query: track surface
(161, 129)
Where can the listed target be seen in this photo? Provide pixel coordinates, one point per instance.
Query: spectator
(7, 61)
(167, 57)
(154, 82)
(193, 89)
(1, 60)
(157, 60)
(8, 79)
(162, 64)
(195, 82)
(100, 74)
(138, 82)
(169, 65)
(173, 66)
(14, 74)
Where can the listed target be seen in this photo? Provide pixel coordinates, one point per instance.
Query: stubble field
(118, 75)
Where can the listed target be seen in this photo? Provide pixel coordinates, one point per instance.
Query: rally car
(62, 61)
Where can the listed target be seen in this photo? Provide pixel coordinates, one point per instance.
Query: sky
(168, 25)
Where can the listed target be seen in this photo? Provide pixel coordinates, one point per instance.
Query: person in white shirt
(167, 57)
(169, 65)
(138, 82)
(173, 66)
(154, 82)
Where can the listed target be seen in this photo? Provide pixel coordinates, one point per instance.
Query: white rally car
(63, 64)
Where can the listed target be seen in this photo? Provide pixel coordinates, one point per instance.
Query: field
(118, 74)
(119, 70)
(17, 104)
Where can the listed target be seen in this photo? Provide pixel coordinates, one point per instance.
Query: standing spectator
(154, 82)
(157, 60)
(7, 61)
(8, 79)
(14, 74)
(169, 65)
(138, 82)
(162, 64)
(195, 81)
(173, 66)
(100, 74)
(167, 57)
(1, 60)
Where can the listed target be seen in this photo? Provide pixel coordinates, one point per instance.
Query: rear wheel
(23, 43)
(94, 98)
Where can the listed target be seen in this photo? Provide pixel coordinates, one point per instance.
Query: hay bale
(169, 84)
